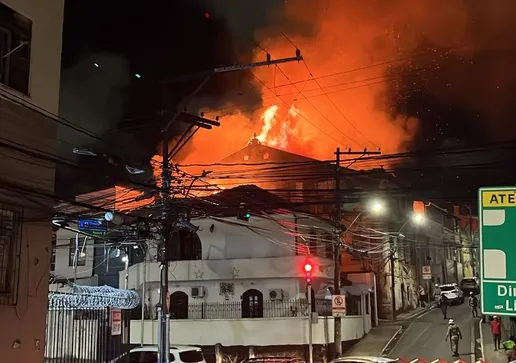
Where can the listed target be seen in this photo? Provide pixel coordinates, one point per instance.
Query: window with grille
(76, 253)
(15, 37)
(10, 243)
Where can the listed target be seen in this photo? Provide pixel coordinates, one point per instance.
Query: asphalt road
(424, 337)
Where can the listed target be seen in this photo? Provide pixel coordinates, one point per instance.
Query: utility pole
(393, 277)
(169, 224)
(337, 323)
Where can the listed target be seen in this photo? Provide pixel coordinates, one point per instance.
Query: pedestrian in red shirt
(496, 330)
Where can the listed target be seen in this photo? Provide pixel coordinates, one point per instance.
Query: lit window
(246, 157)
(266, 156)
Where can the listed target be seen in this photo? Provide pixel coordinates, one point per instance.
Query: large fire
(283, 131)
(336, 97)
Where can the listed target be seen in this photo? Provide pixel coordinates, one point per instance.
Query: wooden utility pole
(171, 220)
(338, 243)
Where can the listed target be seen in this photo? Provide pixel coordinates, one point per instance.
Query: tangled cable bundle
(94, 297)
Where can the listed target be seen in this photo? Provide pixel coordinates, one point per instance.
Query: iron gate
(83, 336)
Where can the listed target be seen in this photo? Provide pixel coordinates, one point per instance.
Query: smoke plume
(398, 75)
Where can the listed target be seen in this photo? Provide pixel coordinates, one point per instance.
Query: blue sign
(93, 225)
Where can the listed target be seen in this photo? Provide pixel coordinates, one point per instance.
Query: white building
(30, 62)
(73, 259)
(241, 283)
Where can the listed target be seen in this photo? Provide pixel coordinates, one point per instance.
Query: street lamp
(377, 207)
(418, 218)
(128, 168)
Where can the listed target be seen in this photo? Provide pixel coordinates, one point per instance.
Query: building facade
(311, 183)
(241, 283)
(30, 60)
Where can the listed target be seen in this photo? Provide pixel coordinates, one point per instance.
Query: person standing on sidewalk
(496, 330)
(422, 296)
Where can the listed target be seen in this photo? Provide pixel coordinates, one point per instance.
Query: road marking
(415, 360)
(435, 361)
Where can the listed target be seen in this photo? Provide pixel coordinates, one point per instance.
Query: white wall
(200, 271)
(255, 332)
(291, 289)
(258, 238)
(63, 268)
(45, 49)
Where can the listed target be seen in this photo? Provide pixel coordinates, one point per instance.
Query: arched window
(184, 246)
(252, 304)
(191, 246)
(179, 305)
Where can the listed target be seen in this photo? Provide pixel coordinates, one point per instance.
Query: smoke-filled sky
(397, 75)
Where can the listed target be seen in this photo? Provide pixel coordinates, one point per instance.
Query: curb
(390, 340)
(412, 316)
(481, 339)
(401, 332)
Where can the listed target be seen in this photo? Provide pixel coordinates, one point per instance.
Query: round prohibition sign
(338, 300)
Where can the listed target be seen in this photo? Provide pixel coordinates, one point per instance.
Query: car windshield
(468, 281)
(447, 288)
(191, 356)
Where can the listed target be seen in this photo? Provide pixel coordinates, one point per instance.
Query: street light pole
(169, 224)
(393, 278)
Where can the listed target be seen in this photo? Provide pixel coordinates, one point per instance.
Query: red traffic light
(308, 267)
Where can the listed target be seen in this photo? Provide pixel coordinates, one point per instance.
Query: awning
(356, 289)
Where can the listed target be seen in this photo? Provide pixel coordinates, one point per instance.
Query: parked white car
(453, 293)
(178, 354)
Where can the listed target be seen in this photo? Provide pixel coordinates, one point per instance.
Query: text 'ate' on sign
(338, 305)
(497, 217)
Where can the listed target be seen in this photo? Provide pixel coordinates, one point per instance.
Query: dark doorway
(179, 305)
(372, 302)
(252, 304)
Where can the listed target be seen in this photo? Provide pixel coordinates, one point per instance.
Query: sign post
(427, 272)
(497, 216)
(338, 305)
(116, 322)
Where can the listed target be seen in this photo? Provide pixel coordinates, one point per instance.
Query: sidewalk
(407, 316)
(374, 342)
(378, 338)
(490, 355)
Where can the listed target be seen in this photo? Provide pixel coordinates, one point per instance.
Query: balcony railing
(238, 310)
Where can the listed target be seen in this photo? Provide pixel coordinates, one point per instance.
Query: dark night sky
(457, 103)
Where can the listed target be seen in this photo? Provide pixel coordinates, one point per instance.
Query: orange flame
(340, 93)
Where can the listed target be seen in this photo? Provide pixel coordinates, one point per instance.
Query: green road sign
(497, 216)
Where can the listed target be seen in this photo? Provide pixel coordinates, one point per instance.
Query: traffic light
(308, 272)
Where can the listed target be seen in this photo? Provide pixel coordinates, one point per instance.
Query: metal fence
(270, 309)
(82, 336)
